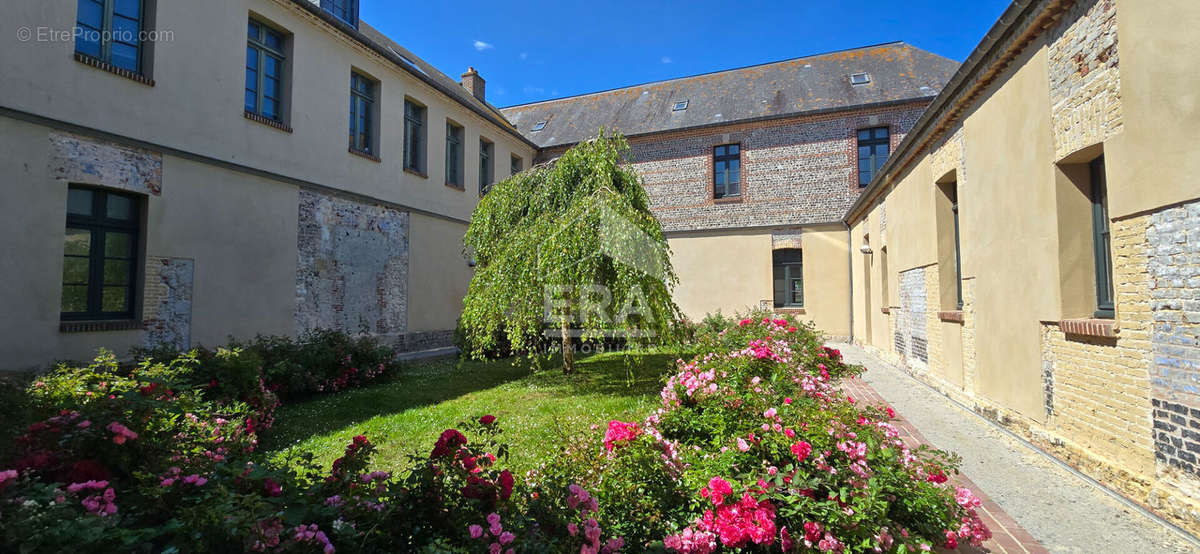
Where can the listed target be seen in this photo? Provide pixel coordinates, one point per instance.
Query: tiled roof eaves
(489, 113)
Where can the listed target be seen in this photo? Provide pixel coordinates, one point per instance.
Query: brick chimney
(473, 82)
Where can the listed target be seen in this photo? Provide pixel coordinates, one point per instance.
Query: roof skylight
(538, 126)
(860, 78)
(680, 106)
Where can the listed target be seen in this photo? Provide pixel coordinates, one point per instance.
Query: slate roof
(813, 84)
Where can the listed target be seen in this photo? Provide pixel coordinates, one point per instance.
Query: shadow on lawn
(432, 382)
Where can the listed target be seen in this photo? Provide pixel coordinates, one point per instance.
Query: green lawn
(535, 408)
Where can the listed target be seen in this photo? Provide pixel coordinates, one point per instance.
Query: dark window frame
(1101, 240)
(98, 225)
(345, 10)
(516, 164)
(454, 154)
(721, 166)
(107, 35)
(362, 110)
(958, 291)
(791, 262)
(872, 141)
(487, 165)
(262, 51)
(414, 136)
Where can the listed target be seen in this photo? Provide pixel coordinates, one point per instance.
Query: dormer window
(538, 126)
(860, 78)
(345, 10)
(679, 106)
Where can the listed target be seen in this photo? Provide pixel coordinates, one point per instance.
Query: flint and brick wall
(1085, 79)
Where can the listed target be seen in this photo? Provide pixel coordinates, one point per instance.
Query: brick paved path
(1030, 503)
(1007, 536)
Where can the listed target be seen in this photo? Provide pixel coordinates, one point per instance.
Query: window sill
(728, 200)
(366, 155)
(793, 310)
(952, 316)
(97, 326)
(110, 68)
(1103, 328)
(267, 121)
(415, 172)
(459, 188)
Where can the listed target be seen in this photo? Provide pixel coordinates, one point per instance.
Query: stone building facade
(1043, 216)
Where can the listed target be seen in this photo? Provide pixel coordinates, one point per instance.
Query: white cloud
(481, 46)
(666, 59)
(524, 55)
(530, 89)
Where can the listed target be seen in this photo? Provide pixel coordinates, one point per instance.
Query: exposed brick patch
(266, 121)
(1085, 77)
(1105, 328)
(953, 316)
(352, 272)
(78, 159)
(912, 340)
(786, 238)
(167, 302)
(97, 326)
(1173, 249)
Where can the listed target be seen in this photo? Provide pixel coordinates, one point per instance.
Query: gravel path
(1061, 510)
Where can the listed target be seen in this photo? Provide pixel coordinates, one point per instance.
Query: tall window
(727, 170)
(109, 30)
(264, 71)
(345, 10)
(99, 254)
(362, 113)
(1101, 240)
(486, 163)
(414, 136)
(873, 149)
(515, 165)
(454, 155)
(789, 277)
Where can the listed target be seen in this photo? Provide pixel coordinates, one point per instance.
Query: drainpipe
(850, 275)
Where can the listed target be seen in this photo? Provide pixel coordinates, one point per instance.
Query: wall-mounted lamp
(865, 249)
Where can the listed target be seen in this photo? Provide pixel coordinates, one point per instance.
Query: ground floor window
(99, 253)
(789, 278)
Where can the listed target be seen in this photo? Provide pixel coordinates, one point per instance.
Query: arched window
(789, 277)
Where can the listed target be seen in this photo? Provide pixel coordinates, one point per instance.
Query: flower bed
(753, 448)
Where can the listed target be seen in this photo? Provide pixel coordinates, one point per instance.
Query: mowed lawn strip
(535, 408)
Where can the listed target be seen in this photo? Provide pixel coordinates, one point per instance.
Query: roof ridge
(751, 66)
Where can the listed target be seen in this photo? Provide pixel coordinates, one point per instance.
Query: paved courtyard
(1031, 504)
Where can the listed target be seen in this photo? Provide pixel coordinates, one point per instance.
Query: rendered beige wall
(826, 279)
(196, 104)
(1153, 163)
(239, 230)
(730, 272)
(438, 275)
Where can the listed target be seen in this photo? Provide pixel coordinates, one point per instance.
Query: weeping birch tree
(568, 251)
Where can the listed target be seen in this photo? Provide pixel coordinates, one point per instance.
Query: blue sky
(530, 51)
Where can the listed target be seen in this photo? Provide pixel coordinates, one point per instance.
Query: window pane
(74, 298)
(75, 270)
(719, 178)
(124, 56)
(733, 149)
(125, 30)
(881, 151)
(251, 101)
(735, 176)
(115, 299)
(864, 152)
(864, 165)
(252, 30)
(118, 245)
(78, 243)
(735, 165)
(780, 289)
(87, 41)
(79, 201)
(271, 66)
(271, 87)
(274, 40)
(719, 151)
(864, 134)
(91, 13)
(881, 132)
(116, 272)
(733, 188)
(251, 60)
(864, 178)
(270, 108)
(120, 207)
(127, 8)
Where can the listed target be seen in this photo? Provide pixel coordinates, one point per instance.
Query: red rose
(506, 484)
(487, 419)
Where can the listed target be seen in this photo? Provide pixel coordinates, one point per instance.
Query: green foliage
(581, 222)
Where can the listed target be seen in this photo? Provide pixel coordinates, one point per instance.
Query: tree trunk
(568, 349)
